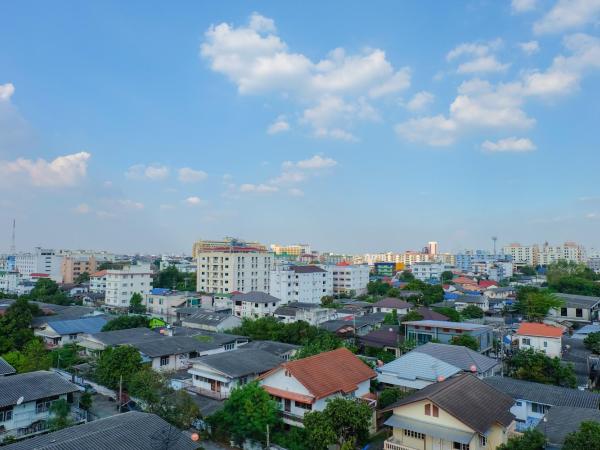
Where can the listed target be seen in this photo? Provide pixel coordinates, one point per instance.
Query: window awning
(429, 429)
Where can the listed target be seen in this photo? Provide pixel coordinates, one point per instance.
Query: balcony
(394, 444)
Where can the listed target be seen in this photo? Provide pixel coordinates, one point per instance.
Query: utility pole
(268, 440)
(120, 393)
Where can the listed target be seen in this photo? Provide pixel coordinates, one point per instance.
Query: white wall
(551, 346)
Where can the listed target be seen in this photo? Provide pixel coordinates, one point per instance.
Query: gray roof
(255, 297)
(444, 324)
(307, 269)
(546, 394)
(276, 348)
(579, 301)
(240, 362)
(204, 317)
(126, 336)
(334, 325)
(129, 431)
(285, 311)
(172, 345)
(457, 355)
(417, 366)
(33, 386)
(562, 420)
(467, 398)
(391, 302)
(6, 368)
(470, 299)
(84, 325)
(370, 319)
(208, 406)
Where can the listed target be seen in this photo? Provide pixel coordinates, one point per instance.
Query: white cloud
(511, 144)
(131, 205)
(82, 208)
(67, 170)
(295, 192)
(6, 91)
(468, 49)
(316, 162)
(530, 47)
(483, 64)
(279, 126)
(568, 14)
(194, 201)
(258, 188)
(256, 59)
(420, 101)
(521, 6)
(153, 172)
(479, 57)
(592, 215)
(436, 131)
(187, 175)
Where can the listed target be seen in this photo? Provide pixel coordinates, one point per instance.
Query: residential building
(281, 349)
(563, 420)
(569, 251)
(464, 358)
(6, 368)
(77, 264)
(26, 399)
(465, 261)
(523, 254)
(577, 308)
(427, 330)
(41, 260)
(121, 284)
(308, 312)
(203, 319)
(9, 281)
(428, 271)
(184, 265)
(217, 375)
(336, 258)
(540, 337)
(235, 267)
(387, 338)
(388, 269)
(481, 301)
(293, 251)
(350, 278)
(127, 431)
(387, 305)
(254, 304)
(305, 284)
(451, 414)
(203, 246)
(163, 303)
(60, 332)
(432, 248)
(98, 282)
(531, 401)
(306, 384)
(429, 314)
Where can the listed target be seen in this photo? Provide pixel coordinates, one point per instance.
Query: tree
(412, 316)
(246, 413)
(323, 343)
(172, 278)
(406, 275)
(147, 385)
(532, 365)
(378, 287)
(466, 341)
(586, 438)
(59, 415)
(125, 322)
(452, 314)
(178, 408)
(47, 290)
(592, 342)
(535, 304)
(391, 318)
(85, 401)
(327, 301)
(575, 285)
(531, 439)
(528, 271)
(446, 276)
(16, 325)
(66, 356)
(270, 329)
(34, 356)
(431, 293)
(82, 278)
(342, 421)
(115, 362)
(389, 396)
(135, 304)
(472, 312)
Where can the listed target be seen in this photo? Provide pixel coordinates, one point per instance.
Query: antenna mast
(494, 238)
(13, 247)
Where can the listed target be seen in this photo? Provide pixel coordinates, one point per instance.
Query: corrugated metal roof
(417, 366)
(458, 355)
(6, 368)
(429, 429)
(32, 386)
(83, 325)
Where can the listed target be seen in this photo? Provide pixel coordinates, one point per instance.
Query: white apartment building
(426, 271)
(9, 282)
(234, 268)
(98, 282)
(162, 303)
(349, 278)
(569, 251)
(40, 261)
(122, 284)
(306, 284)
(291, 250)
(523, 254)
(181, 264)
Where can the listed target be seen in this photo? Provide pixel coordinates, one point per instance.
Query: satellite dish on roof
(20, 400)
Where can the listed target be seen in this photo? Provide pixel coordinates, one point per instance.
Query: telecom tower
(11, 260)
(494, 239)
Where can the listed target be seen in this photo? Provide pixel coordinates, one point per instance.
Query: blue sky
(141, 126)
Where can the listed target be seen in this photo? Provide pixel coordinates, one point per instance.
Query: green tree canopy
(321, 343)
(47, 290)
(82, 278)
(431, 293)
(389, 396)
(378, 287)
(406, 275)
(172, 278)
(466, 341)
(535, 303)
(269, 328)
(530, 440)
(528, 271)
(447, 276)
(125, 322)
(391, 318)
(452, 314)
(34, 356)
(136, 304)
(586, 438)
(16, 325)
(60, 415)
(65, 356)
(472, 312)
(532, 365)
(115, 362)
(592, 342)
(412, 316)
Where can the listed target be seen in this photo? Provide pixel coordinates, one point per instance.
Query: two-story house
(254, 304)
(577, 308)
(460, 413)
(424, 331)
(306, 384)
(540, 337)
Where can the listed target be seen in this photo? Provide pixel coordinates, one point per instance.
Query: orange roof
(289, 395)
(343, 264)
(539, 329)
(98, 274)
(464, 280)
(329, 372)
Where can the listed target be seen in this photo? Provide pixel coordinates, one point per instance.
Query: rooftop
(91, 324)
(415, 366)
(445, 324)
(307, 269)
(255, 297)
(579, 301)
(539, 329)
(33, 386)
(457, 355)
(276, 348)
(562, 420)
(6, 368)
(391, 302)
(240, 362)
(429, 314)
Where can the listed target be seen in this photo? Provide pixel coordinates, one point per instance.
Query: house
(306, 384)
(461, 413)
(531, 401)
(6, 368)
(584, 331)
(424, 331)
(168, 353)
(577, 308)
(163, 303)
(387, 338)
(431, 362)
(281, 349)
(562, 420)
(481, 301)
(209, 320)
(60, 332)
(98, 282)
(26, 398)
(217, 375)
(308, 312)
(501, 293)
(387, 305)
(429, 314)
(353, 324)
(540, 337)
(127, 431)
(254, 304)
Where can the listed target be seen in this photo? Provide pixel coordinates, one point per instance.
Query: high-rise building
(432, 248)
(533, 255)
(291, 250)
(349, 278)
(236, 266)
(75, 265)
(121, 284)
(206, 245)
(523, 254)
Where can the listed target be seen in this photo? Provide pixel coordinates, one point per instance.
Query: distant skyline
(354, 127)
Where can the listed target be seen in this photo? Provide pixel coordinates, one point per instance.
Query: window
(545, 343)
(6, 414)
(414, 434)
(539, 408)
(306, 406)
(482, 441)
(229, 346)
(459, 446)
(563, 312)
(526, 341)
(164, 360)
(578, 312)
(427, 409)
(435, 410)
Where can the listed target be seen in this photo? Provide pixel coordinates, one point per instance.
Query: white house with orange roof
(541, 337)
(306, 384)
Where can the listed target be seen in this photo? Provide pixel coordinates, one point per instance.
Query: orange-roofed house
(541, 337)
(306, 384)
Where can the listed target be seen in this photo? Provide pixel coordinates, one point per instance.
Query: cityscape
(300, 226)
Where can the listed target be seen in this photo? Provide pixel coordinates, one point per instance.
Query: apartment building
(203, 246)
(291, 250)
(75, 265)
(98, 282)
(236, 267)
(533, 255)
(523, 254)
(123, 283)
(350, 278)
(428, 271)
(163, 303)
(306, 284)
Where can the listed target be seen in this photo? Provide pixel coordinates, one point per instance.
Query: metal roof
(458, 355)
(446, 324)
(255, 297)
(33, 386)
(579, 301)
(83, 325)
(240, 362)
(6, 368)
(429, 429)
(415, 366)
(562, 420)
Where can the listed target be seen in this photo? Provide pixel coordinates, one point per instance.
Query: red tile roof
(98, 274)
(487, 283)
(539, 329)
(329, 372)
(289, 395)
